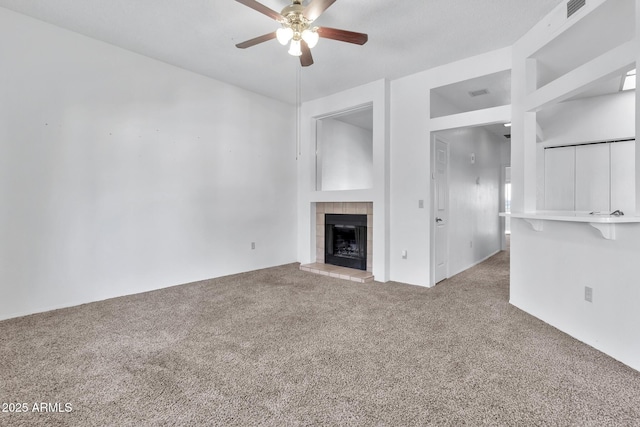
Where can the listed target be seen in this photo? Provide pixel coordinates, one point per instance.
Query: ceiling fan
(295, 21)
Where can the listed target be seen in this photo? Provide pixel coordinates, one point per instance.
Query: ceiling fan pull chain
(298, 110)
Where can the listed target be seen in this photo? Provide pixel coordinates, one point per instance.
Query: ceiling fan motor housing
(295, 19)
(296, 5)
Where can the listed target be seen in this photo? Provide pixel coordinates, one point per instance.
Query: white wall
(549, 270)
(120, 174)
(637, 91)
(441, 106)
(410, 179)
(474, 196)
(346, 156)
(598, 118)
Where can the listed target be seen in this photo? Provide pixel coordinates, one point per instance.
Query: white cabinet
(623, 188)
(559, 179)
(590, 177)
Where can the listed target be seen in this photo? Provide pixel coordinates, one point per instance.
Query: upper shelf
(615, 62)
(576, 42)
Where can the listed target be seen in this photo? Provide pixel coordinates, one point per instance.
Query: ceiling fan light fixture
(295, 27)
(311, 37)
(295, 49)
(283, 35)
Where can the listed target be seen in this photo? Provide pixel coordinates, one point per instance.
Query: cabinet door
(623, 188)
(592, 178)
(559, 178)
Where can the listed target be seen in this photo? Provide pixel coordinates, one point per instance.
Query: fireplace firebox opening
(346, 240)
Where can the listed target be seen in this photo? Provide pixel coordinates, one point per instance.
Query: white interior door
(441, 209)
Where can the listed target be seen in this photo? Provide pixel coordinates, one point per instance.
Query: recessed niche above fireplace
(346, 240)
(344, 150)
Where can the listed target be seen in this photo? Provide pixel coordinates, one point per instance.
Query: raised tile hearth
(339, 272)
(344, 273)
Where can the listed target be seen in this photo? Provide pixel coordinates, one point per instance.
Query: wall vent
(475, 93)
(574, 5)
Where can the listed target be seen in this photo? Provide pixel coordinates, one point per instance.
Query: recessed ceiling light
(629, 82)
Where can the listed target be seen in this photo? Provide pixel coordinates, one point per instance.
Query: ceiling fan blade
(315, 8)
(343, 35)
(256, 40)
(305, 59)
(262, 9)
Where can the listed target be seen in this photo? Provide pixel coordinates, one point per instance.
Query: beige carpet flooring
(282, 347)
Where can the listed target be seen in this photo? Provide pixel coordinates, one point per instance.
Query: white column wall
(551, 268)
(411, 159)
(377, 95)
(410, 180)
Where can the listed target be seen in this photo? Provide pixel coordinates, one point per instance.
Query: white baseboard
(474, 264)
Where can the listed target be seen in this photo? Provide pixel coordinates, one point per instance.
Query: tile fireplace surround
(356, 208)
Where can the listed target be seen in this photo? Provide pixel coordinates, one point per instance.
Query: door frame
(432, 213)
(503, 199)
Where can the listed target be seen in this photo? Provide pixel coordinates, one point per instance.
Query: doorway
(440, 156)
(467, 176)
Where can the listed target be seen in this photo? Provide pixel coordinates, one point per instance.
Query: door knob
(438, 219)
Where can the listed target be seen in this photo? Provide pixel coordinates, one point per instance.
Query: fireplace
(346, 240)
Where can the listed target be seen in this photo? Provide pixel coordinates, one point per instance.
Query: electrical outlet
(253, 245)
(588, 294)
(471, 243)
(421, 204)
(404, 254)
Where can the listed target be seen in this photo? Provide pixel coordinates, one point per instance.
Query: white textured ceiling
(200, 35)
